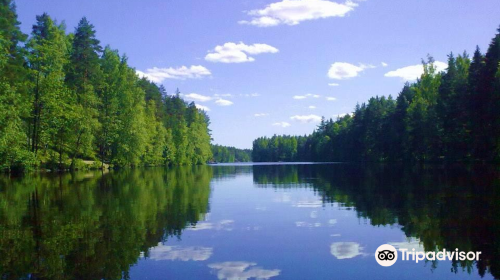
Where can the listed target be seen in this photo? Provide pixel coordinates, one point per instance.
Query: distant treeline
(230, 154)
(452, 115)
(65, 99)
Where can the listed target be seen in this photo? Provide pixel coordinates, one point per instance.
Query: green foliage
(230, 154)
(52, 103)
(11, 52)
(449, 116)
(14, 152)
(64, 99)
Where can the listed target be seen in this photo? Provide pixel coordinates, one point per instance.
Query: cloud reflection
(226, 225)
(284, 198)
(345, 250)
(242, 271)
(309, 204)
(313, 214)
(306, 224)
(173, 253)
(409, 245)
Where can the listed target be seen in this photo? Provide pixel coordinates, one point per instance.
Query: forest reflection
(94, 226)
(444, 207)
(97, 226)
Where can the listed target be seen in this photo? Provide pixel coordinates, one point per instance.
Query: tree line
(443, 116)
(67, 102)
(230, 154)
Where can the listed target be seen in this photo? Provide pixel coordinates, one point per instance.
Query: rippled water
(280, 221)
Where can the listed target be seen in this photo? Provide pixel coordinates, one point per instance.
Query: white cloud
(340, 115)
(292, 12)
(157, 75)
(261, 114)
(384, 64)
(298, 97)
(242, 271)
(345, 250)
(204, 98)
(173, 253)
(223, 95)
(306, 118)
(312, 107)
(201, 107)
(197, 97)
(367, 66)
(331, 98)
(282, 124)
(223, 102)
(410, 73)
(344, 70)
(250, 95)
(237, 53)
(333, 84)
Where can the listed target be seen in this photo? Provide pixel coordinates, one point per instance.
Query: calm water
(321, 221)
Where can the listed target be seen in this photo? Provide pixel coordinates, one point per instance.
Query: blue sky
(265, 67)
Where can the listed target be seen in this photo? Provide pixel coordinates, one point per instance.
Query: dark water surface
(293, 221)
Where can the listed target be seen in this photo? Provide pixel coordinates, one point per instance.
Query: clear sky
(264, 67)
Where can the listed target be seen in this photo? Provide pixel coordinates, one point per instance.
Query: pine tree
(477, 106)
(14, 152)
(489, 75)
(83, 77)
(13, 69)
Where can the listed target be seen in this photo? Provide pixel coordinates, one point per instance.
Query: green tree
(130, 144)
(156, 137)
(53, 104)
(83, 77)
(14, 111)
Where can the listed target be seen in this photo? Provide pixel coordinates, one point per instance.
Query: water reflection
(173, 253)
(266, 221)
(242, 271)
(221, 225)
(444, 208)
(94, 226)
(345, 250)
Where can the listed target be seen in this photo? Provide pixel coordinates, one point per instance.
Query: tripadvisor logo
(387, 255)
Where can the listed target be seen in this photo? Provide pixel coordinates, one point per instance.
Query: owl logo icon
(386, 255)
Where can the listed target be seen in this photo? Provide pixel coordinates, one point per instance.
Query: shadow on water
(94, 226)
(444, 207)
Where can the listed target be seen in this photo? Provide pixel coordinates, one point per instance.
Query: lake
(244, 221)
